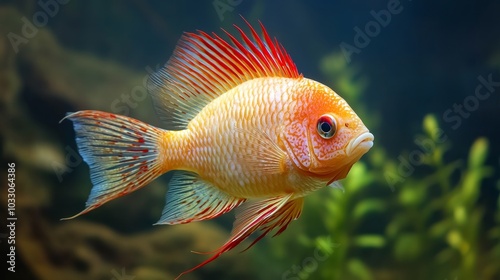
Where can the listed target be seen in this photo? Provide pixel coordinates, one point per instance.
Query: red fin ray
(264, 215)
(206, 66)
(289, 212)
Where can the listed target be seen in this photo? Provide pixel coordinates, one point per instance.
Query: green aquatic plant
(492, 268)
(436, 228)
(347, 213)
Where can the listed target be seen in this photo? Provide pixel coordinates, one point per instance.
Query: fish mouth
(354, 151)
(360, 145)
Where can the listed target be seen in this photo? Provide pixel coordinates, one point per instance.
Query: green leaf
(377, 157)
(368, 206)
(471, 184)
(358, 178)
(326, 245)
(369, 240)
(394, 227)
(359, 270)
(439, 229)
(304, 240)
(478, 153)
(455, 239)
(431, 126)
(407, 247)
(412, 195)
(460, 215)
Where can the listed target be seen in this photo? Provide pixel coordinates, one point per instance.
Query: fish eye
(327, 126)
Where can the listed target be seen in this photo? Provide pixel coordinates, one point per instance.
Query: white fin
(337, 185)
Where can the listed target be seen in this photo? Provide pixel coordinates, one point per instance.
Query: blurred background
(422, 204)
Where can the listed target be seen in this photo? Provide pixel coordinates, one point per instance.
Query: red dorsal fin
(205, 66)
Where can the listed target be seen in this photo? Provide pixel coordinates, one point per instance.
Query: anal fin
(190, 198)
(264, 215)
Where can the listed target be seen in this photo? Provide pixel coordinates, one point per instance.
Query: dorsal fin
(204, 66)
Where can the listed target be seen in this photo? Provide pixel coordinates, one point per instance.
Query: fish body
(243, 130)
(231, 152)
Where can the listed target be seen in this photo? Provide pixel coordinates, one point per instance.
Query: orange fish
(243, 129)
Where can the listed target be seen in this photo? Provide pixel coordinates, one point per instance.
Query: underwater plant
(436, 230)
(492, 268)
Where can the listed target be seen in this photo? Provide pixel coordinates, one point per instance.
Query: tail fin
(122, 153)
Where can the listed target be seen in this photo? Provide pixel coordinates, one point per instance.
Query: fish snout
(360, 144)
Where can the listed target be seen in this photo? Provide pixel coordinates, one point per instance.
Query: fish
(243, 130)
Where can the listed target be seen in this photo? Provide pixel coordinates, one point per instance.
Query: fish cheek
(296, 143)
(327, 150)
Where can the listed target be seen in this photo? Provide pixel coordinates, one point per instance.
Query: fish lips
(354, 151)
(360, 145)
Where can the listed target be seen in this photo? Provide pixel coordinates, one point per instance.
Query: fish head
(325, 137)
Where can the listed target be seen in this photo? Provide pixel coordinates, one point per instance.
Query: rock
(84, 250)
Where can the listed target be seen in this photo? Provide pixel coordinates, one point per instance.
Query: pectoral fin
(259, 152)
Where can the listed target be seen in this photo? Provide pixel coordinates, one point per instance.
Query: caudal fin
(122, 153)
